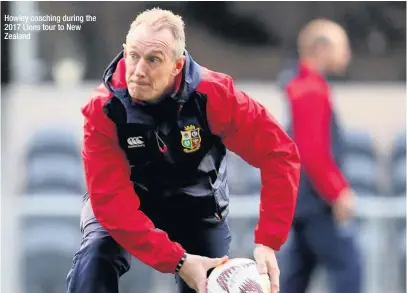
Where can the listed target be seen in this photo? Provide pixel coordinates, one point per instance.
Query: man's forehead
(146, 41)
(148, 48)
(146, 34)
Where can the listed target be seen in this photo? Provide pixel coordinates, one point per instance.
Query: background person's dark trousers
(318, 240)
(100, 261)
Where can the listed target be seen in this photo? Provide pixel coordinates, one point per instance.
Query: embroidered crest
(191, 139)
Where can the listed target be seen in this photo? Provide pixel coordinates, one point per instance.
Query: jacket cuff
(180, 263)
(173, 263)
(273, 242)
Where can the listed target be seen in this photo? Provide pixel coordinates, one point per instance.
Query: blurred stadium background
(46, 79)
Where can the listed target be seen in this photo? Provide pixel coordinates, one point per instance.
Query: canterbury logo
(135, 142)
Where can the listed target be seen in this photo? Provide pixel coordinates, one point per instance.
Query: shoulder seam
(220, 81)
(98, 99)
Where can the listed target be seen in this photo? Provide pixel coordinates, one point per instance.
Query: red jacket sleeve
(250, 131)
(311, 120)
(114, 201)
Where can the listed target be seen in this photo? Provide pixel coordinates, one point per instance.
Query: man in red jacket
(325, 200)
(155, 138)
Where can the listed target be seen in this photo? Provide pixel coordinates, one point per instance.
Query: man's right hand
(195, 268)
(344, 206)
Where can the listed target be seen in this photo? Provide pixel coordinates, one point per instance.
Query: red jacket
(311, 113)
(245, 127)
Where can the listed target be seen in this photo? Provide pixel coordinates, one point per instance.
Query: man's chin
(144, 98)
(139, 96)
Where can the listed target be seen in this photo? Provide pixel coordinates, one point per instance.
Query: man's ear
(124, 51)
(179, 65)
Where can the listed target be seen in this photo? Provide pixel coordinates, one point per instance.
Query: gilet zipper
(160, 143)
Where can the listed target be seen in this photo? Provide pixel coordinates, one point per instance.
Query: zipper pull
(162, 148)
(179, 111)
(217, 210)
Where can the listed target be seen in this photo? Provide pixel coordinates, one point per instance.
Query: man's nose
(140, 70)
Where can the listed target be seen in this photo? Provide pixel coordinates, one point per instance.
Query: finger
(261, 260)
(274, 274)
(201, 288)
(265, 280)
(214, 262)
(275, 289)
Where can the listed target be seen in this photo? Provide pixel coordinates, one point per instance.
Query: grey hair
(159, 19)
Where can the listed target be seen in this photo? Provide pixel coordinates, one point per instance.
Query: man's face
(340, 55)
(151, 66)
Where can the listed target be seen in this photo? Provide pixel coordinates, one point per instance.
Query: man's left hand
(266, 260)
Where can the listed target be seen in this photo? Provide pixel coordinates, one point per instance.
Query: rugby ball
(238, 275)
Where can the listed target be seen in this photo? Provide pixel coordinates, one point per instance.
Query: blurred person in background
(155, 137)
(325, 207)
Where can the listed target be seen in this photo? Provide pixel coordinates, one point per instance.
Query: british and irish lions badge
(191, 139)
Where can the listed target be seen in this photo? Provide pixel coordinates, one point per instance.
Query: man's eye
(133, 56)
(153, 59)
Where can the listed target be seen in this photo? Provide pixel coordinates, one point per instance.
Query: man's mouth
(140, 83)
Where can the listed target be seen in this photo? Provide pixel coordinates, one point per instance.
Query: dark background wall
(249, 40)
